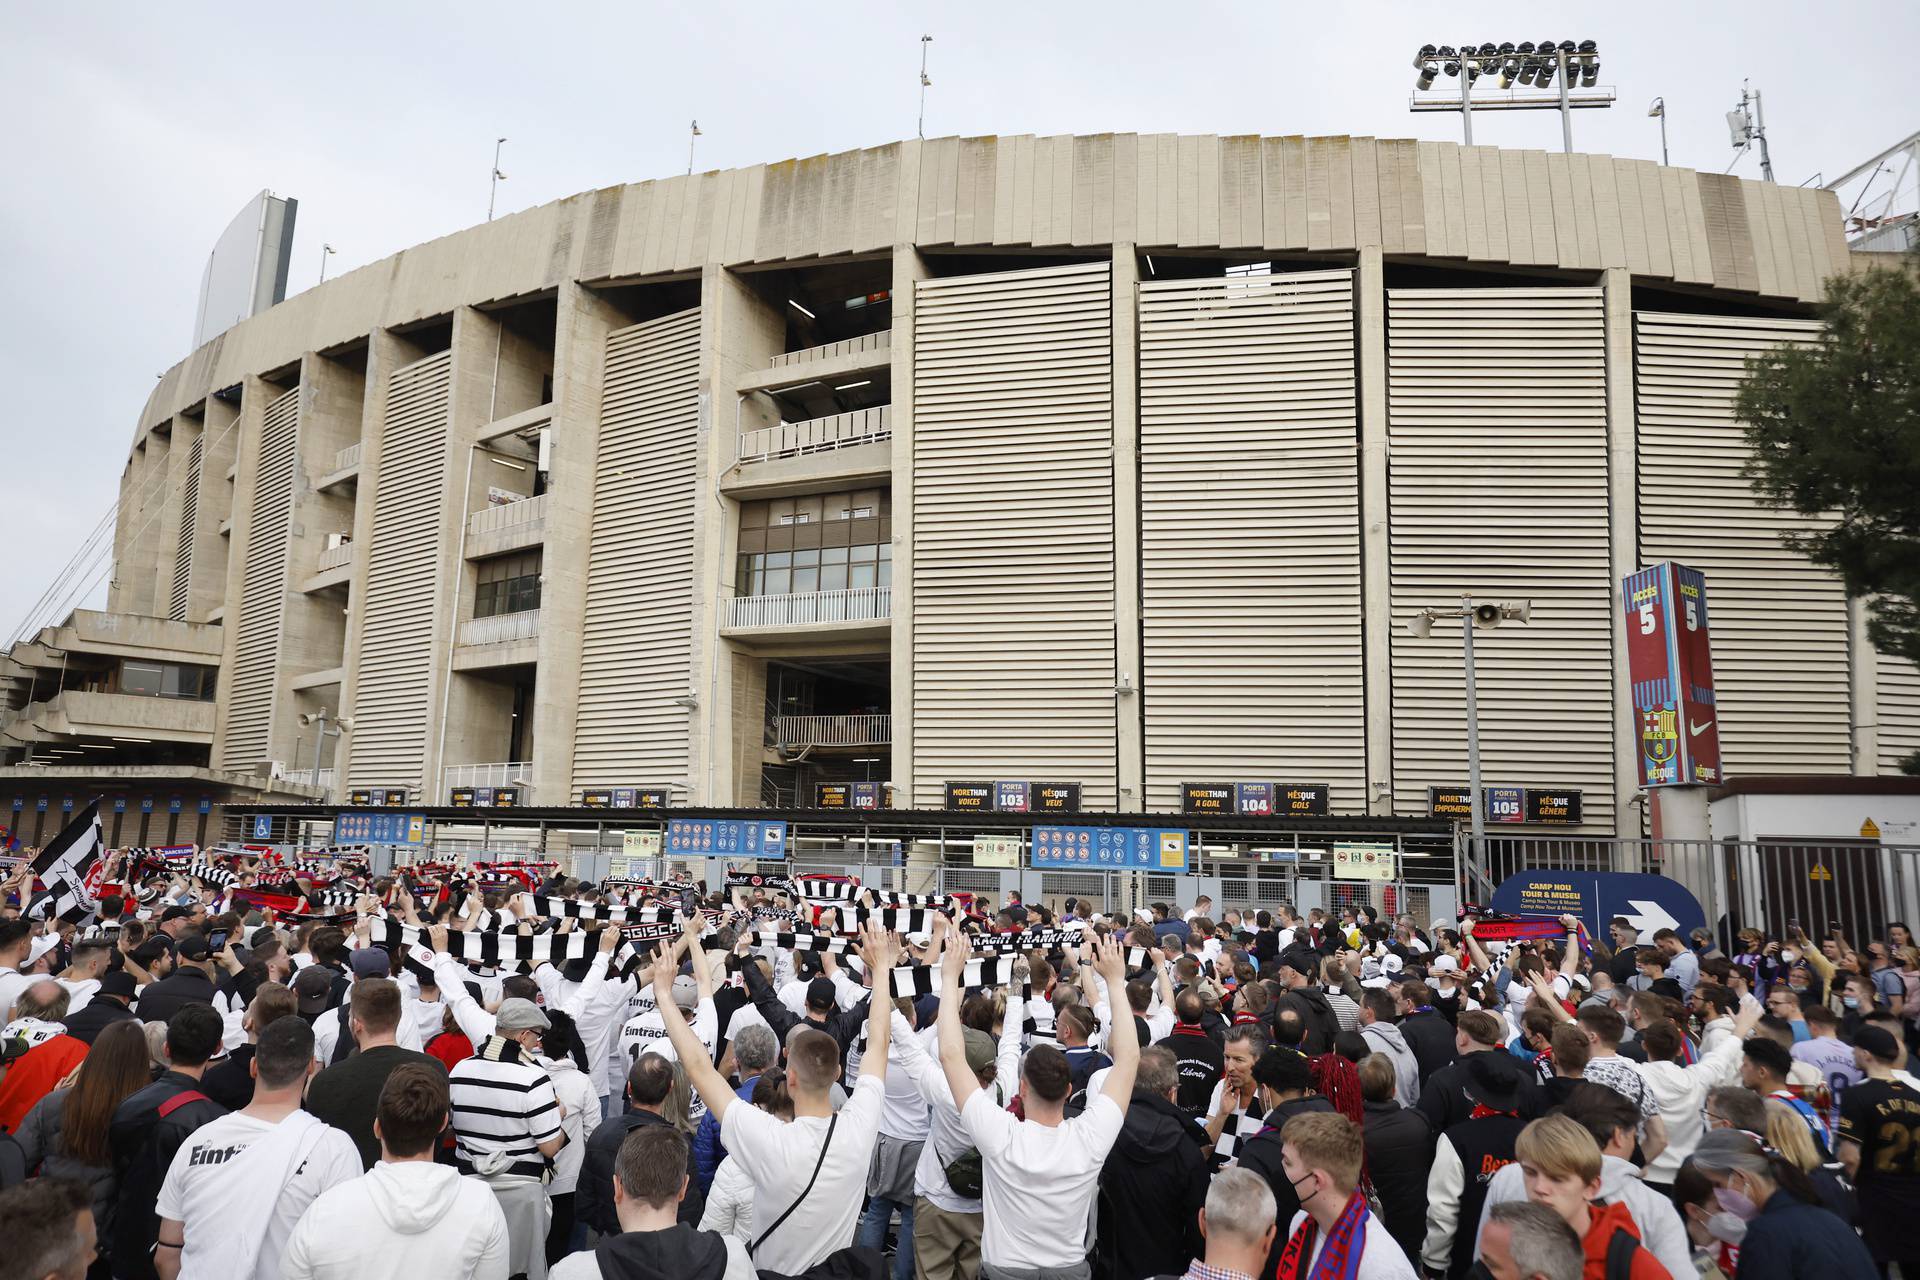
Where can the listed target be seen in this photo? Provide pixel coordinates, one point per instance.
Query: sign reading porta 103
(1670, 665)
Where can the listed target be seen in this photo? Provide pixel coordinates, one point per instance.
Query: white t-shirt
(80, 993)
(647, 1033)
(780, 1156)
(1039, 1180)
(1380, 1257)
(333, 1160)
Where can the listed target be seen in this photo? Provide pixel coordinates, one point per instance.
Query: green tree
(1834, 429)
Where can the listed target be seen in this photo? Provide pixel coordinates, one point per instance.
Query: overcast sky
(136, 132)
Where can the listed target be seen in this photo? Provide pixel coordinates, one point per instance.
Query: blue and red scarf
(1340, 1258)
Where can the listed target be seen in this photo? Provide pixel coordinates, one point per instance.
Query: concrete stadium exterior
(1110, 460)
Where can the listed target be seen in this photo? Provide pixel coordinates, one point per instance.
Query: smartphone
(1793, 926)
(217, 940)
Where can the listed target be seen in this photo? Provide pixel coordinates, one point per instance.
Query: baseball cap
(1879, 1042)
(370, 962)
(820, 993)
(979, 1047)
(1444, 964)
(41, 945)
(686, 992)
(118, 983)
(517, 1014)
(176, 912)
(312, 985)
(193, 947)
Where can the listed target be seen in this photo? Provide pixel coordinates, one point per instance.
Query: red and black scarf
(1340, 1258)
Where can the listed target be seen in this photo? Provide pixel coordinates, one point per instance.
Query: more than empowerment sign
(1648, 903)
(1129, 848)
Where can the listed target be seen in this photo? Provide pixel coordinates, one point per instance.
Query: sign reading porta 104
(1670, 666)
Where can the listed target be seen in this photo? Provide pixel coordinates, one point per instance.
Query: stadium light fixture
(1573, 69)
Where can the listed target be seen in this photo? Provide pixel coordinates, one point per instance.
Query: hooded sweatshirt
(1659, 1225)
(679, 1253)
(1152, 1187)
(1385, 1037)
(407, 1219)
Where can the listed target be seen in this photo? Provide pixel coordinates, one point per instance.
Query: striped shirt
(503, 1108)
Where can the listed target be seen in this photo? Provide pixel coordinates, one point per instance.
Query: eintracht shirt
(647, 1033)
(503, 1108)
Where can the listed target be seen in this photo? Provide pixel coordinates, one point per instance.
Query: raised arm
(953, 1046)
(1123, 1045)
(880, 950)
(697, 956)
(693, 1055)
(1570, 955)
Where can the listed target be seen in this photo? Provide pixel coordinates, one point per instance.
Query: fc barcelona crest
(1659, 734)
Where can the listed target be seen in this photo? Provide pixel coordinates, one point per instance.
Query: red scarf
(1340, 1258)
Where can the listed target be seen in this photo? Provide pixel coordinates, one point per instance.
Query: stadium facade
(1113, 462)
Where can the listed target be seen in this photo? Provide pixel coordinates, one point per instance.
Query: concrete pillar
(1864, 687)
(386, 352)
(579, 370)
(220, 432)
(908, 269)
(1129, 715)
(255, 394)
(1623, 543)
(163, 527)
(1370, 318)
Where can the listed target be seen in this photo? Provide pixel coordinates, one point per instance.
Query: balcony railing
(508, 515)
(816, 435)
(874, 342)
(347, 457)
(335, 557)
(514, 773)
(322, 778)
(854, 604)
(504, 628)
(834, 731)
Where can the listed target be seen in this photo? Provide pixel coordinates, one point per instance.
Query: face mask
(1728, 1228)
(1736, 1203)
(1852, 1002)
(1306, 1195)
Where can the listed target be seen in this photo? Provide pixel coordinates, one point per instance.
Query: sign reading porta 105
(1670, 667)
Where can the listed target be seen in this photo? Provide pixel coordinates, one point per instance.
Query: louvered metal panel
(636, 649)
(183, 547)
(1250, 535)
(392, 711)
(1779, 623)
(1013, 545)
(1498, 488)
(254, 681)
(1898, 712)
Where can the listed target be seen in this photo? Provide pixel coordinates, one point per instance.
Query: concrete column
(1864, 684)
(1623, 541)
(1370, 317)
(386, 351)
(163, 527)
(908, 269)
(579, 371)
(1129, 715)
(211, 553)
(255, 394)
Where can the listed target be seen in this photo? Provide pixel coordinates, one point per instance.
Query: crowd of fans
(745, 1084)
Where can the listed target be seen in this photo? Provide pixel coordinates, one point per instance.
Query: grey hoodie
(1384, 1037)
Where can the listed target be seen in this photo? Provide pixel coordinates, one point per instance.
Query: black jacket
(1152, 1188)
(101, 1012)
(681, 1252)
(1430, 1036)
(1262, 1155)
(1322, 1023)
(184, 986)
(844, 1027)
(229, 1082)
(593, 1194)
(1199, 1060)
(1399, 1155)
(1444, 1100)
(1484, 1146)
(143, 1142)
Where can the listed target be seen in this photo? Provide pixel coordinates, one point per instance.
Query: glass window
(779, 573)
(806, 572)
(143, 678)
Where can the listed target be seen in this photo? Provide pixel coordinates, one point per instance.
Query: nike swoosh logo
(1697, 729)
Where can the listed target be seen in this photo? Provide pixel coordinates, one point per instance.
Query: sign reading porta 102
(1670, 673)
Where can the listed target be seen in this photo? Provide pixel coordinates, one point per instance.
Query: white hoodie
(412, 1219)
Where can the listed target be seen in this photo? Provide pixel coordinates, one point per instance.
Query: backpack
(1620, 1251)
(966, 1174)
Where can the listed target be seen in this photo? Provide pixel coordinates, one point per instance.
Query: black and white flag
(63, 866)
